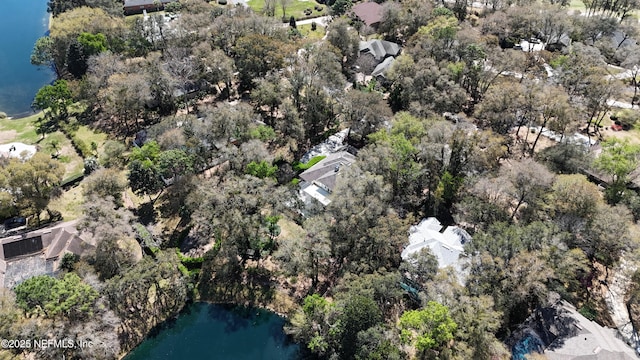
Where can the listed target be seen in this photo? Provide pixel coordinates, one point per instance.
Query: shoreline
(193, 302)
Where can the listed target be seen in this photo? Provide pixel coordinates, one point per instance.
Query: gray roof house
(562, 333)
(37, 253)
(383, 67)
(379, 49)
(446, 243)
(319, 180)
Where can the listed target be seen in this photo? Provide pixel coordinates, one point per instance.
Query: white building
(446, 243)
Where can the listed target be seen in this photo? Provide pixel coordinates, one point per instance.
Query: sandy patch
(7, 136)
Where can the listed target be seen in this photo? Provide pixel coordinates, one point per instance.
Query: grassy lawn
(295, 8)
(20, 130)
(305, 31)
(69, 203)
(577, 5)
(89, 135)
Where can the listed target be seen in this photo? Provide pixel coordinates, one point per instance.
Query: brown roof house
(139, 6)
(369, 12)
(38, 253)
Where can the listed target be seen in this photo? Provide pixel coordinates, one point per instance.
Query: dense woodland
(229, 100)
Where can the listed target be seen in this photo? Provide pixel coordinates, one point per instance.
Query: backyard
(295, 8)
(60, 147)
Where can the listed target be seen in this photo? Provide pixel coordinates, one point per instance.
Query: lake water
(22, 22)
(206, 331)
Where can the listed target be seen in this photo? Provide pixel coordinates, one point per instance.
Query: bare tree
(284, 4)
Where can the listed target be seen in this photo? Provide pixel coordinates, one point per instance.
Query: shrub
(261, 170)
(263, 132)
(3, 115)
(300, 167)
(90, 165)
(173, 7)
(313, 26)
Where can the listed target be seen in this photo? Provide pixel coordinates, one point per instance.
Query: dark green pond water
(206, 331)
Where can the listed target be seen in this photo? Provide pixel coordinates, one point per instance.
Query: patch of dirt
(7, 136)
(524, 133)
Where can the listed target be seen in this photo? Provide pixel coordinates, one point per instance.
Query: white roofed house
(446, 243)
(319, 180)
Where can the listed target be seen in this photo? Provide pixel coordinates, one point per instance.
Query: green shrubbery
(300, 167)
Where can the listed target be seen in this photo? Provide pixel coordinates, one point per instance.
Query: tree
(306, 253)
(34, 183)
(124, 99)
(68, 297)
(158, 284)
(576, 200)
(42, 54)
(55, 98)
(529, 180)
(144, 178)
(105, 183)
(607, 237)
(345, 39)
(261, 169)
(174, 163)
(500, 107)
(340, 7)
(365, 113)
(113, 156)
(619, 158)
(256, 55)
(428, 329)
(313, 324)
(283, 5)
(359, 313)
(631, 62)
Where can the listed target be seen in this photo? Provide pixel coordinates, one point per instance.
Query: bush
(261, 170)
(263, 132)
(3, 115)
(627, 118)
(300, 167)
(90, 165)
(173, 7)
(313, 26)
(222, 2)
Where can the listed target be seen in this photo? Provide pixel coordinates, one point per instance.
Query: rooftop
(379, 49)
(325, 172)
(446, 243)
(369, 12)
(38, 252)
(131, 3)
(567, 335)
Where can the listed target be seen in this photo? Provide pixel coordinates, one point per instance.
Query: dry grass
(69, 204)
